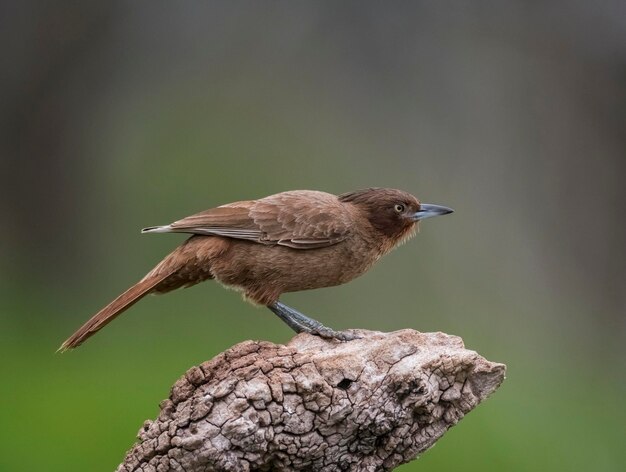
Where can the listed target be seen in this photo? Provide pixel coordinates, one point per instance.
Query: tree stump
(316, 405)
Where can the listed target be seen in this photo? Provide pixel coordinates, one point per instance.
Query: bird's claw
(332, 334)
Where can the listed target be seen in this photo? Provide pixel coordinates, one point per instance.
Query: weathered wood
(316, 405)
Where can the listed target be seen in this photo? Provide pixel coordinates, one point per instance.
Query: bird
(286, 242)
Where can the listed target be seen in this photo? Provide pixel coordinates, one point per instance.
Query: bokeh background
(123, 114)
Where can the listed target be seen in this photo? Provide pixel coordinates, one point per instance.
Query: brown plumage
(287, 242)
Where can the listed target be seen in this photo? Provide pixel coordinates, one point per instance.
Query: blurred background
(119, 115)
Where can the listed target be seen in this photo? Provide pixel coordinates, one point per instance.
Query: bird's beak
(428, 211)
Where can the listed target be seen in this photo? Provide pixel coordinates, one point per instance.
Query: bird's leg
(301, 323)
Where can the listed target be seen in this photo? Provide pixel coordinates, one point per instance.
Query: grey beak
(428, 211)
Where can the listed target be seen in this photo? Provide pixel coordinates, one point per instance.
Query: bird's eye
(399, 207)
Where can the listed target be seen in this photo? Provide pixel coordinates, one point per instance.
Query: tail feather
(113, 309)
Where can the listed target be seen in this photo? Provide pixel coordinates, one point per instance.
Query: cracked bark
(315, 405)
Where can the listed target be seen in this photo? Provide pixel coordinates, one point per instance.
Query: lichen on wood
(315, 405)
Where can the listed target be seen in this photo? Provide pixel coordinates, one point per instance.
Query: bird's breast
(248, 265)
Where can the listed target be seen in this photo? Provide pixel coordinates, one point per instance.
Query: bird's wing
(301, 219)
(232, 220)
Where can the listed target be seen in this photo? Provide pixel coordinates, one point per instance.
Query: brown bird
(291, 241)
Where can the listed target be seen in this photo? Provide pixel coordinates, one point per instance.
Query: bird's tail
(115, 308)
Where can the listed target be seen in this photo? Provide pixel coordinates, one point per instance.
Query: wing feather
(301, 219)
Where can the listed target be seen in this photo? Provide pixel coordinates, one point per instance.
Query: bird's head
(394, 213)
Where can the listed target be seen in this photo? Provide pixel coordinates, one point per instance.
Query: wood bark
(316, 405)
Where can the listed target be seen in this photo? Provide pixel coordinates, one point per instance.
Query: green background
(121, 115)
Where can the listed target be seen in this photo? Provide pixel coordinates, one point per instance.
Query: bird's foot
(301, 323)
(328, 333)
(318, 329)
